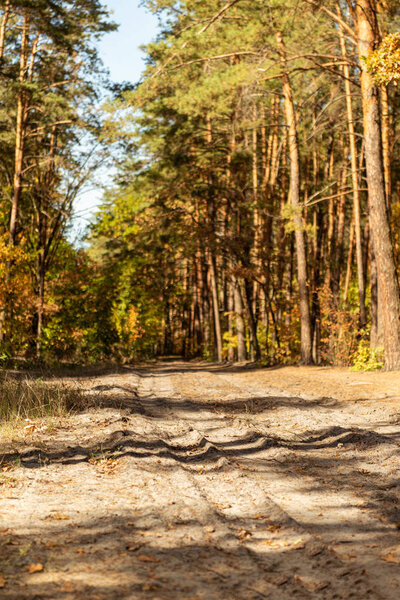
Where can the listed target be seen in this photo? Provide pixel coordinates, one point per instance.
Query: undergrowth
(367, 358)
(34, 399)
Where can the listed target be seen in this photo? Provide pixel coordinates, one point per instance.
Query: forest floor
(188, 481)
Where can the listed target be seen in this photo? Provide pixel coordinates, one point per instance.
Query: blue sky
(120, 50)
(121, 55)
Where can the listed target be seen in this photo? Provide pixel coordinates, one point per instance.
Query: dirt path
(193, 482)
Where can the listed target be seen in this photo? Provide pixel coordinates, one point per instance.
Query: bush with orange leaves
(339, 329)
(16, 295)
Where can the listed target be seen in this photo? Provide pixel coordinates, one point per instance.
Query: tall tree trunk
(240, 326)
(339, 246)
(386, 146)
(19, 155)
(354, 175)
(305, 321)
(215, 301)
(3, 27)
(367, 34)
(231, 310)
(20, 131)
(349, 261)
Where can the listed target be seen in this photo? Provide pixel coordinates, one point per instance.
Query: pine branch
(218, 15)
(335, 17)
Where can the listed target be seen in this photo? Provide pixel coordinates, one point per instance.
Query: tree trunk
(367, 32)
(305, 321)
(20, 131)
(215, 299)
(386, 143)
(240, 326)
(3, 28)
(19, 153)
(354, 176)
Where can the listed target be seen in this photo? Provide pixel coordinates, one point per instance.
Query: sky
(121, 55)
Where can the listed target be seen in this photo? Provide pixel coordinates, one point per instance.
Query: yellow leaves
(243, 534)
(148, 587)
(58, 517)
(384, 62)
(106, 466)
(33, 426)
(274, 543)
(2, 581)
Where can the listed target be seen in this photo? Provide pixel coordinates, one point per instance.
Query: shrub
(366, 358)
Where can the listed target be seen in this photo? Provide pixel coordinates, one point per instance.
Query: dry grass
(28, 398)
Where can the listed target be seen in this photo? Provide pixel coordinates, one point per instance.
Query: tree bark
(354, 176)
(367, 36)
(386, 146)
(290, 117)
(3, 27)
(20, 131)
(240, 326)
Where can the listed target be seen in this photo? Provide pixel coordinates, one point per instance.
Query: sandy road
(189, 482)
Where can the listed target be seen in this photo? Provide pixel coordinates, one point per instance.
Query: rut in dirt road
(190, 481)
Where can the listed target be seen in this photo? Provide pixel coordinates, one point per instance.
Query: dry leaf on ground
(35, 568)
(147, 558)
(390, 558)
(58, 517)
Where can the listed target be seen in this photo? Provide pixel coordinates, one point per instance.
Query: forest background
(255, 208)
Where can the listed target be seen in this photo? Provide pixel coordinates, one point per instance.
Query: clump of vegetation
(384, 62)
(32, 399)
(368, 359)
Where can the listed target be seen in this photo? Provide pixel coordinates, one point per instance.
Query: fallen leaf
(2, 581)
(34, 568)
(68, 587)
(58, 517)
(209, 528)
(133, 547)
(244, 533)
(390, 558)
(148, 587)
(147, 558)
(258, 516)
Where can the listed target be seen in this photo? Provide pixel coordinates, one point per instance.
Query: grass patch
(27, 398)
